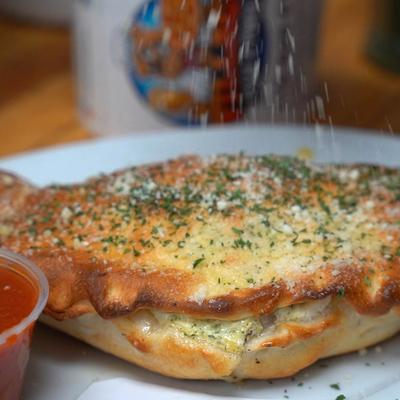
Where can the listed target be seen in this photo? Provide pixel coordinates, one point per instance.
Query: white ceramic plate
(62, 368)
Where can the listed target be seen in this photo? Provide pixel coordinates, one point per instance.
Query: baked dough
(227, 267)
(277, 352)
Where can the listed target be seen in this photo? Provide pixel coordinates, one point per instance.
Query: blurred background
(353, 47)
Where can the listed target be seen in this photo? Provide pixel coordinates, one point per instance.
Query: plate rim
(185, 131)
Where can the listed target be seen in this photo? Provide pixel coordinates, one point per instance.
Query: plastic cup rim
(43, 288)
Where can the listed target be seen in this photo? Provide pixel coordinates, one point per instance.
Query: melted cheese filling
(237, 336)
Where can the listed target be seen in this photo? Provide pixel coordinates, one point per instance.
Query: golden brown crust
(171, 236)
(145, 341)
(13, 194)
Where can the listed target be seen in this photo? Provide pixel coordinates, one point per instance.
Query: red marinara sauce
(23, 293)
(18, 297)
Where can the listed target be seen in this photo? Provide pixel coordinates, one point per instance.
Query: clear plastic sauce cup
(23, 296)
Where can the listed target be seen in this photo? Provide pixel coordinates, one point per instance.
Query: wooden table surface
(38, 105)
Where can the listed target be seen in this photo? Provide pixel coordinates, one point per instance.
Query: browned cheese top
(223, 237)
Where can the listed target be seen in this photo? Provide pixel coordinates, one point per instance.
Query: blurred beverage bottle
(384, 41)
(151, 64)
